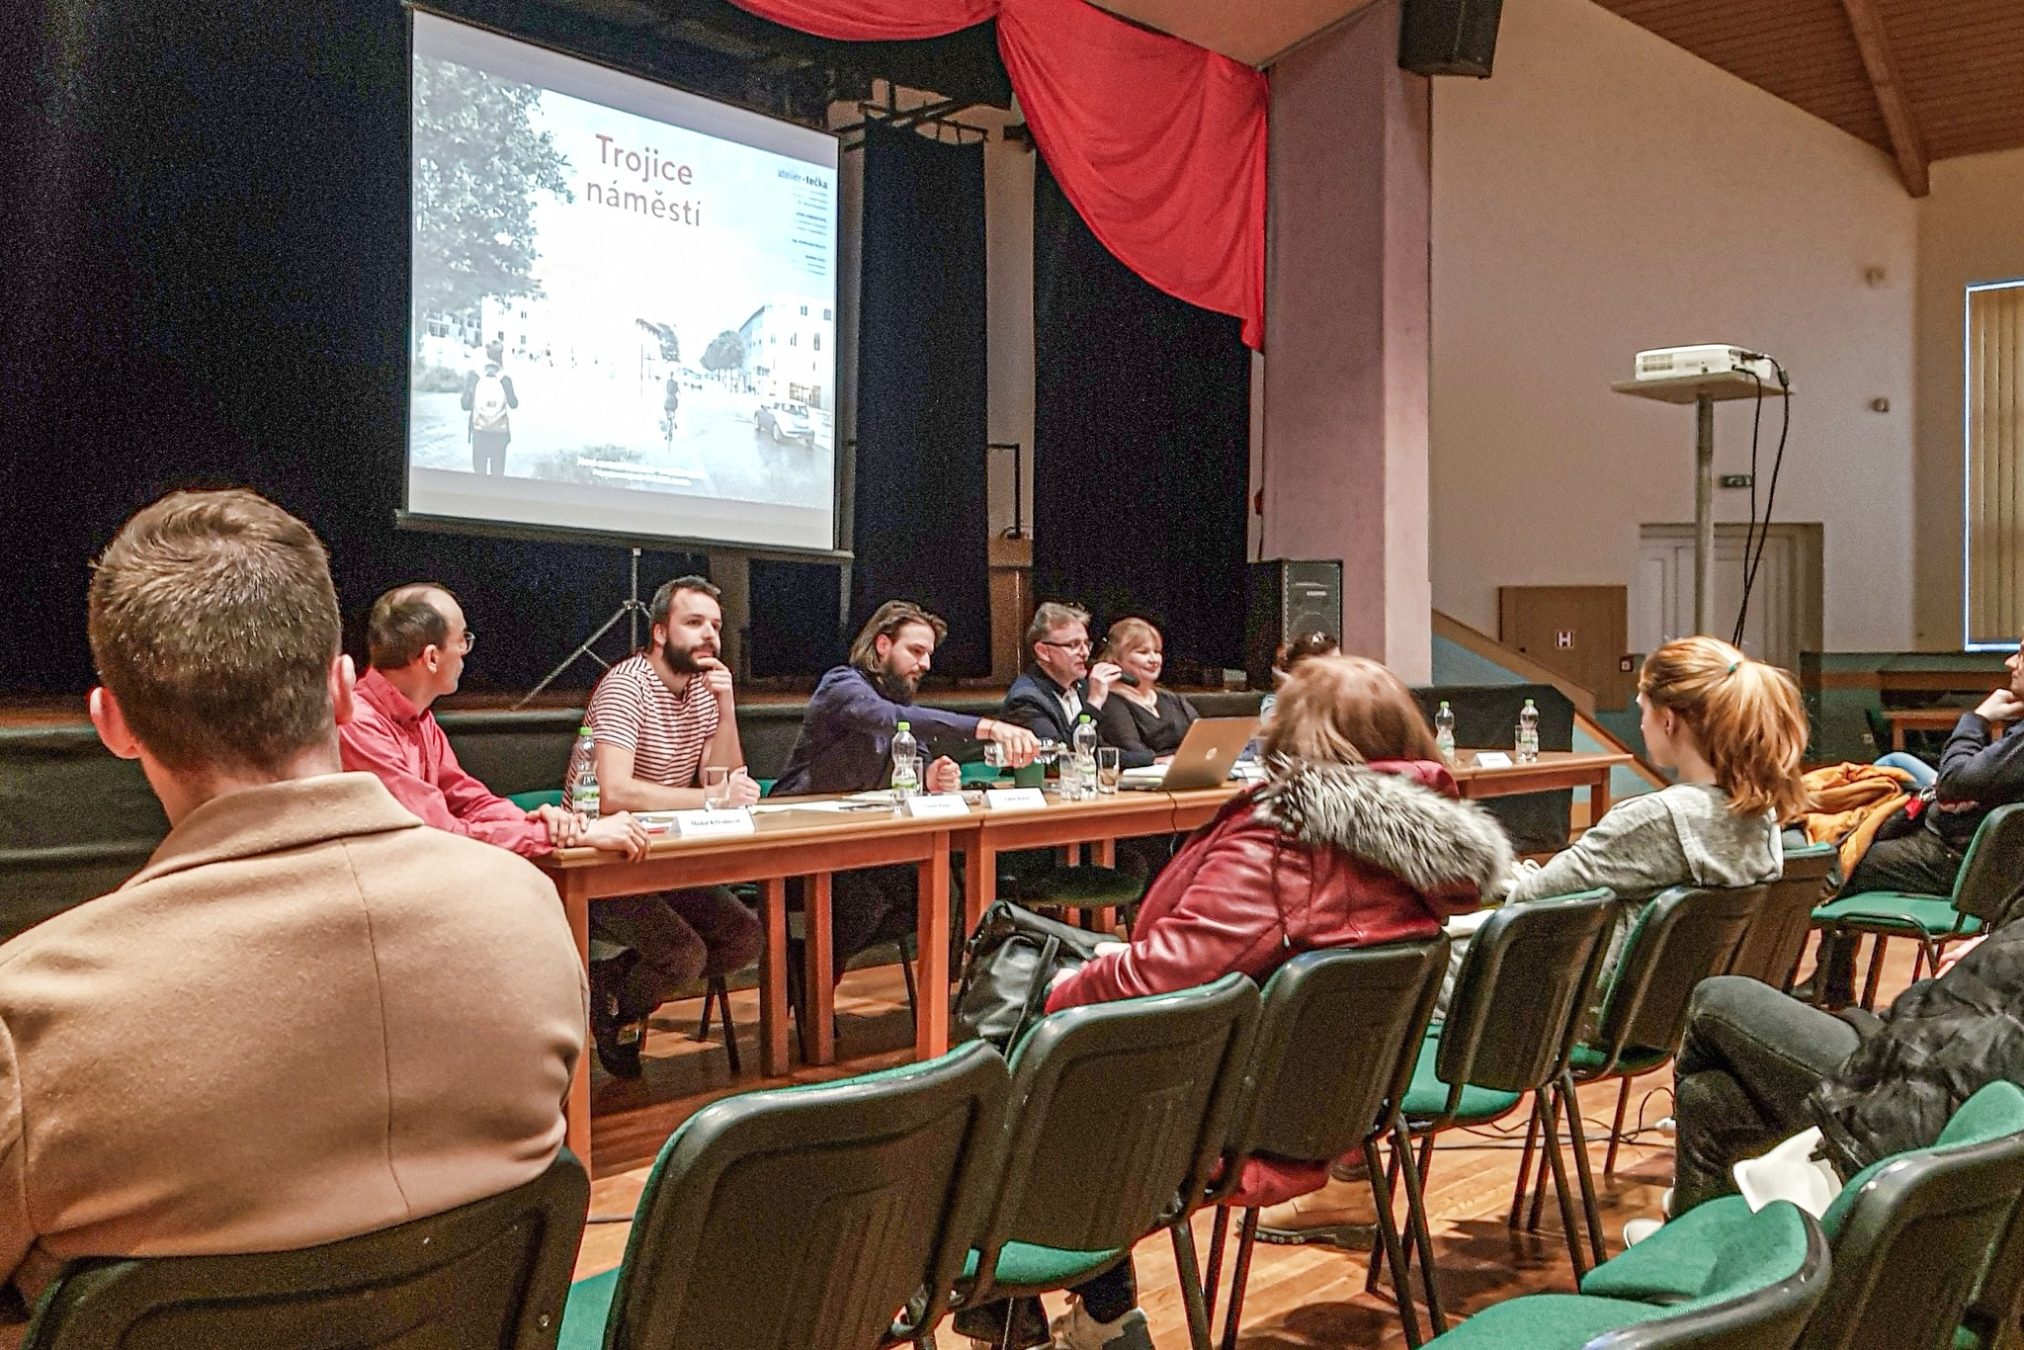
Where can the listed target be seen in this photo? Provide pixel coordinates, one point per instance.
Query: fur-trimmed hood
(1387, 817)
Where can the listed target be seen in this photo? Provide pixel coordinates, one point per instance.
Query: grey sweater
(1685, 834)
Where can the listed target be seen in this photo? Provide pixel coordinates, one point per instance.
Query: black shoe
(618, 1043)
(985, 1323)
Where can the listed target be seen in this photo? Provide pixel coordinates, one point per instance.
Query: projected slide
(624, 303)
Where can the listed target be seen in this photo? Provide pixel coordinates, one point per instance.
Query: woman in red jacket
(1356, 837)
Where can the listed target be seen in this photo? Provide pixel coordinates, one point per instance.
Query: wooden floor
(1298, 1296)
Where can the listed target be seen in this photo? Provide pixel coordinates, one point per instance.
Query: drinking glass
(716, 787)
(1109, 771)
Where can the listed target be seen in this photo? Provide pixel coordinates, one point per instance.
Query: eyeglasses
(1081, 646)
(470, 641)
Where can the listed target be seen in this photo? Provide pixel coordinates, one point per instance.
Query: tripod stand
(629, 608)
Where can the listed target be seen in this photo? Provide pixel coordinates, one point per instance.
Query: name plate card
(1015, 799)
(1492, 759)
(937, 805)
(709, 824)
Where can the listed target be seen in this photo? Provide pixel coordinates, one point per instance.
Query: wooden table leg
(931, 1021)
(818, 979)
(773, 1012)
(1897, 735)
(1106, 856)
(576, 908)
(1598, 798)
(980, 882)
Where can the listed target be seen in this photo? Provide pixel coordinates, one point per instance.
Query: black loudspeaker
(1287, 599)
(1449, 37)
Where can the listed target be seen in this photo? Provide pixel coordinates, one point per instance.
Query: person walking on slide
(489, 399)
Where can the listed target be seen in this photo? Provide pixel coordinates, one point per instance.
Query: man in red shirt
(416, 641)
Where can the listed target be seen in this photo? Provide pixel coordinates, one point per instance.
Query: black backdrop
(922, 514)
(1141, 443)
(205, 221)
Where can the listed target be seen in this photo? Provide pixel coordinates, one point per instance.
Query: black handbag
(1007, 966)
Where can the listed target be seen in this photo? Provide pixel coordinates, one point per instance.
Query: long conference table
(813, 838)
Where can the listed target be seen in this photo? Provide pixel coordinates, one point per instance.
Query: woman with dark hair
(1356, 837)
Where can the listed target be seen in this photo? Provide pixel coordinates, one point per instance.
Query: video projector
(1679, 363)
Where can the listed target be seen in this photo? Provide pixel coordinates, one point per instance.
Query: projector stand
(1704, 392)
(629, 608)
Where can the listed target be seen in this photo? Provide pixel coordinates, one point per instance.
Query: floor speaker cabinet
(1449, 37)
(1288, 598)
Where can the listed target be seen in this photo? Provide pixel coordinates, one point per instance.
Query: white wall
(1971, 229)
(1608, 192)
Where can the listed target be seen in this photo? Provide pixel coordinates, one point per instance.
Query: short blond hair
(1746, 715)
(1129, 635)
(1346, 710)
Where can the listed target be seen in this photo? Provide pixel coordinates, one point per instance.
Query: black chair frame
(1766, 1319)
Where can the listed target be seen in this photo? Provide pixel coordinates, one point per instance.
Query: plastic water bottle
(582, 780)
(1085, 757)
(1444, 732)
(906, 780)
(1528, 734)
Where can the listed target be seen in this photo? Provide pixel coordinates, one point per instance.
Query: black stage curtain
(797, 612)
(205, 213)
(921, 509)
(1141, 443)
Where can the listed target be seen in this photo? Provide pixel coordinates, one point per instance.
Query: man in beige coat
(308, 1016)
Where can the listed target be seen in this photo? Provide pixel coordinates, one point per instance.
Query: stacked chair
(1777, 937)
(1985, 892)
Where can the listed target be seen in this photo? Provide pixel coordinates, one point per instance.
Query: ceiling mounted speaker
(1449, 37)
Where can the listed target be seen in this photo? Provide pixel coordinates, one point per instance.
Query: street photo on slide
(605, 300)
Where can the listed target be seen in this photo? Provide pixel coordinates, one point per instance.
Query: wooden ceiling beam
(1905, 141)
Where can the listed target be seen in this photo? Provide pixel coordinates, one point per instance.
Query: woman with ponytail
(1733, 731)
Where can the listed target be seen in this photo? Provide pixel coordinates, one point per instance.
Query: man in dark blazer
(1060, 685)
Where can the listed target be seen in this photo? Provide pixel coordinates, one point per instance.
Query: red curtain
(1159, 144)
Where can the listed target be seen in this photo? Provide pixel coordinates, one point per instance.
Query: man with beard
(845, 745)
(658, 718)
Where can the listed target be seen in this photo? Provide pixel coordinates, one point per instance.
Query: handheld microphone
(1129, 679)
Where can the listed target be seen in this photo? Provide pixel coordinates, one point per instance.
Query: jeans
(1750, 1059)
(1923, 774)
(877, 904)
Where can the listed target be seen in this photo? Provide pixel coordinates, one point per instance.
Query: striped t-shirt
(665, 731)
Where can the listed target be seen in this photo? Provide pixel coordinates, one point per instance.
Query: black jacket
(1975, 769)
(1939, 1043)
(1034, 702)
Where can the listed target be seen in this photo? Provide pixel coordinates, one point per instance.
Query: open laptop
(1206, 753)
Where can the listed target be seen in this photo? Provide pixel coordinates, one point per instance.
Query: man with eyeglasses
(1060, 685)
(416, 641)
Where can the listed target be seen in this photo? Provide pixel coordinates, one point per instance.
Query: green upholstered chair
(1338, 1033)
(493, 1273)
(1777, 936)
(1121, 1112)
(1517, 1005)
(1985, 892)
(1936, 1215)
(1681, 937)
(805, 1216)
(527, 801)
(1763, 1289)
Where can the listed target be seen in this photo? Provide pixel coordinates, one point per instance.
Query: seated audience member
(845, 745)
(1923, 856)
(657, 719)
(306, 1017)
(1355, 838)
(1291, 654)
(1050, 697)
(1758, 1066)
(1145, 722)
(1733, 731)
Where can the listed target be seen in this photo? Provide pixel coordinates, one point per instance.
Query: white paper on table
(709, 824)
(1492, 759)
(936, 805)
(1015, 799)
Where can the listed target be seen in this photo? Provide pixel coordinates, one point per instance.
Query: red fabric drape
(1160, 144)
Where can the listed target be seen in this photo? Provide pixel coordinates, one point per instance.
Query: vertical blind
(1996, 463)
